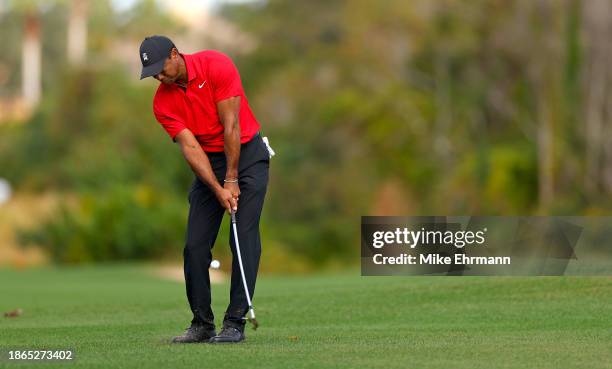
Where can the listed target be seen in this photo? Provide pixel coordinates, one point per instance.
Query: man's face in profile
(170, 73)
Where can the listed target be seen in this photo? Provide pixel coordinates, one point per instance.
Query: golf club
(244, 283)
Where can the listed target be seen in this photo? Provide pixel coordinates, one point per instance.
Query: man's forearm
(232, 147)
(200, 165)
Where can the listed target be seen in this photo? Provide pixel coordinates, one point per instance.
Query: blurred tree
(77, 32)
(144, 18)
(474, 106)
(31, 50)
(597, 20)
(427, 107)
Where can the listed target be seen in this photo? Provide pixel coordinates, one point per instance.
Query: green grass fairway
(123, 317)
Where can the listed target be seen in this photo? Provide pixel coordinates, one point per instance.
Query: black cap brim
(153, 69)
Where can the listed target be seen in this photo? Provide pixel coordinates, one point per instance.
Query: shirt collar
(191, 71)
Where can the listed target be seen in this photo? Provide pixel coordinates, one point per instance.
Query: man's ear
(174, 53)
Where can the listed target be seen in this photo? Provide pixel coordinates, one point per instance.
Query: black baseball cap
(153, 53)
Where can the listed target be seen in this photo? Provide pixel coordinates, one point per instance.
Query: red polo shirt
(211, 77)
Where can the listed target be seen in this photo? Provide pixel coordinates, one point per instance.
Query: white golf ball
(215, 264)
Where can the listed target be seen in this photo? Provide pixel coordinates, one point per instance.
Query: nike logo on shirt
(202, 85)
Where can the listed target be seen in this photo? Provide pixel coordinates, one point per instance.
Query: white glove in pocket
(271, 152)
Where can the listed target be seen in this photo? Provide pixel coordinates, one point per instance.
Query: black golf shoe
(195, 333)
(228, 335)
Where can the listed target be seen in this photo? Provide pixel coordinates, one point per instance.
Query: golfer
(201, 104)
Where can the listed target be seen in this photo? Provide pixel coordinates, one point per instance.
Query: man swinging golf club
(201, 104)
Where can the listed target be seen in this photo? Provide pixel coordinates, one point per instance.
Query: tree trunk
(544, 75)
(31, 60)
(545, 147)
(596, 20)
(77, 32)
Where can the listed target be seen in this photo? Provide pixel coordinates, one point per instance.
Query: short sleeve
(171, 125)
(225, 78)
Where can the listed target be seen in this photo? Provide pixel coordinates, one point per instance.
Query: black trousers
(205, 215)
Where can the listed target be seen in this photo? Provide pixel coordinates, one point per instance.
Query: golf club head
(254, 322)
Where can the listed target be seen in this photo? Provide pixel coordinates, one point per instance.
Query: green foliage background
(427, 107)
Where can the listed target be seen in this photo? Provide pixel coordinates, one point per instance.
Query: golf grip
(246, 288)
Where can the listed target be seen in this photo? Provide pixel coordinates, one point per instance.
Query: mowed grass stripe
(122, 316)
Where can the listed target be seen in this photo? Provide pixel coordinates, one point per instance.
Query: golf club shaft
(246, 288)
